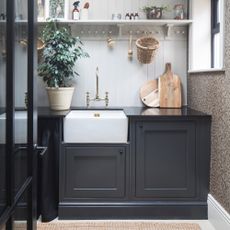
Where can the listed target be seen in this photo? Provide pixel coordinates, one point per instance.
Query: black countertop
(129, 111)
(46, 112)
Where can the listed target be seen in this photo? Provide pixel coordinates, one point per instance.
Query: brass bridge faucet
(97, 97)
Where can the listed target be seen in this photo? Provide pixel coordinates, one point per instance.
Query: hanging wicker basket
(146, 49)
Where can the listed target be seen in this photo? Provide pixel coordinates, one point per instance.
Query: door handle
(21, 148)
(40, 149)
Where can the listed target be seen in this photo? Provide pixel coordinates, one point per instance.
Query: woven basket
(146, 49)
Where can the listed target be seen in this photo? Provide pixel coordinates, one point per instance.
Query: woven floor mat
(106, 225)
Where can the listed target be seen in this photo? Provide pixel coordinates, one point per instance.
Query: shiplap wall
(2, 79)
(103, 9)
(118, 75)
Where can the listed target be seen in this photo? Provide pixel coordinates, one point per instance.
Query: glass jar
(179, 11)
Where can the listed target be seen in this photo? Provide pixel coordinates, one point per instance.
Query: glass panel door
(17, 120)
(2, 105)
(20, 86)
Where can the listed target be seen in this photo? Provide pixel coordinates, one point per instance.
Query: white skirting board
(218, 217)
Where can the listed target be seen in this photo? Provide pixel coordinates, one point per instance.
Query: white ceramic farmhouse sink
(96, 126)
(20, 127)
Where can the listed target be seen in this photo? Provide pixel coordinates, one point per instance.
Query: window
(206, 35)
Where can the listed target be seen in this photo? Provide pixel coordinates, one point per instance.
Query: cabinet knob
(121, 151)
(141, 126)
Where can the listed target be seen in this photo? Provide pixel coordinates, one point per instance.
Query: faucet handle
(106, 99)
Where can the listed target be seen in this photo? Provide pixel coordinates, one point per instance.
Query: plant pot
(155, 13)
(60, 98)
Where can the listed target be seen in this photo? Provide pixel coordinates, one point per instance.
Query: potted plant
(154, 12)
(60, 53)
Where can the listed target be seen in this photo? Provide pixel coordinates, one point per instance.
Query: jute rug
(113, 225)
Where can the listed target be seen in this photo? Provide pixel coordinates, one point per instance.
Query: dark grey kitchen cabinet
(165, 159)
(164, 173)
(91, 172)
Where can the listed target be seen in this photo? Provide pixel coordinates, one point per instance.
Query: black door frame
(30, 184)
(32, 115)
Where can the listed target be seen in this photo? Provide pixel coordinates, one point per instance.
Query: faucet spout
(97, 97)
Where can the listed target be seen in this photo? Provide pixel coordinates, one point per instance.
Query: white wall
(2, 80)
(119, 76)
(2, 57)
(20, 77)
(103, 9)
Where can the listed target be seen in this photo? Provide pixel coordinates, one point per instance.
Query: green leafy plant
(60, 54)
(146, 9)
(154, 12)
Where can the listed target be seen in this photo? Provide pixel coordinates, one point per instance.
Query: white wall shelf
(125, 27)
(161, 22)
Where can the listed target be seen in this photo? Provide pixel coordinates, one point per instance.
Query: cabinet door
(94, 172)
(165, 159)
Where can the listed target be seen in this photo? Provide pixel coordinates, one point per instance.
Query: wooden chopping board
(149, 93)
(169, 89)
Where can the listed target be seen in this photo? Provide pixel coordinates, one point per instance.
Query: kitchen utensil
(110, 42)
(130, 51)
(170, 89)
(40, 43)
(149, 93)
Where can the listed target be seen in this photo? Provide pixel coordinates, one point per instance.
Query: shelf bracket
(120, 26)
(168, 29)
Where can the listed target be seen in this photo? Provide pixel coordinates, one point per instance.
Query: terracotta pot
(60, 98)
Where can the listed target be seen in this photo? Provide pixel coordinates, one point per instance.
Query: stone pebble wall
(210, 93)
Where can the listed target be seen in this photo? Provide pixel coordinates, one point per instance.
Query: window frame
(215, 27)
(200, 33)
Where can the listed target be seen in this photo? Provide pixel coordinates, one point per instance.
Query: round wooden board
(149, 93)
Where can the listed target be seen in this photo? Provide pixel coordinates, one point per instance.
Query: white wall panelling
(2, 77)
(118, 75)
(217, 215)
(2, 57)
(96, 30)
(20, 66)
(103, 9)
(2, 66)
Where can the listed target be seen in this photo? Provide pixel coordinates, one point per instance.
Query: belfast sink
(96, 126)
(20, 127)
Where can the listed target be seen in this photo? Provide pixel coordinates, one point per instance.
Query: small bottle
(127, 17)
(76, 12)
(131, 16)
(136, 16)
(179, 11)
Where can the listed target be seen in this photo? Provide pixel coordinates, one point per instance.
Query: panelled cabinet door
(94, 172)
(165, 159)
